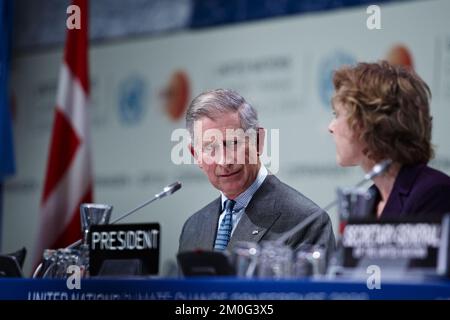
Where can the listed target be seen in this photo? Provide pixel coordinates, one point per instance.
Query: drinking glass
(275, 260)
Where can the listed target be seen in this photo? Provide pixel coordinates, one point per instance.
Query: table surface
(222, 288)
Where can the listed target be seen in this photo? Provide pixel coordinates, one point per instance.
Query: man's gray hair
(214, 103)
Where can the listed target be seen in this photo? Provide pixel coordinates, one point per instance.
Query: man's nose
(226, 158)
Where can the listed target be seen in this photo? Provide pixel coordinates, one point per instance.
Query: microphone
(377, 170)
(167, 191)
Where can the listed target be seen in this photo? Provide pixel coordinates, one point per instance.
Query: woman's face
(349, 150)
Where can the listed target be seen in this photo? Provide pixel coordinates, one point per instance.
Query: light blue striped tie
(224, 232)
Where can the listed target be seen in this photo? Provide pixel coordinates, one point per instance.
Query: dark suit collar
(406, 178)
(259, 216)
(401, 189)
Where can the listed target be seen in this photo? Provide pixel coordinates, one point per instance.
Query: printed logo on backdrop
(132, 100)
(326, 68)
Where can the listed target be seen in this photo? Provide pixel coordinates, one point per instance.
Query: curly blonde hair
(388, 109)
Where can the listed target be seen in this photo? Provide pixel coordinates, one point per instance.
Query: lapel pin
(255, 232)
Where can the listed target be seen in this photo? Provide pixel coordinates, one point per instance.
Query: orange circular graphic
(400, 55)
(176, 95)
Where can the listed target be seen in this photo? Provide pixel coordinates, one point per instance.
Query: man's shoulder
(292, 208)
(289, 198)
(283, 188)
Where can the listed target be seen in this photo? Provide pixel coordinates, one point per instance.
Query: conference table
(222, 288)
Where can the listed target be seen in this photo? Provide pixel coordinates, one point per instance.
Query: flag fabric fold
(68, 179)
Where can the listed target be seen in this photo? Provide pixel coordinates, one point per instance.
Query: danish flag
(68, 180)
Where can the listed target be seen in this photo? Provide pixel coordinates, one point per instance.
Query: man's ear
(261, 134)
(192, 150)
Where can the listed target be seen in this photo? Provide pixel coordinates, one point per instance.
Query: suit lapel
(395, 205)
(207, 234)
(259, 215)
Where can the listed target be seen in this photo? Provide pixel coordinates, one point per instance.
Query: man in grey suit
(253, 205)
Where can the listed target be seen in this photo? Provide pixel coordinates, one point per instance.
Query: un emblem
(132, 99)
(326, 68)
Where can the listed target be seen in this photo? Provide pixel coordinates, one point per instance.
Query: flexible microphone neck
(377, 170)
(168, 190)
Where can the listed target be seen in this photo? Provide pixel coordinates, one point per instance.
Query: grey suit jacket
(274, 209)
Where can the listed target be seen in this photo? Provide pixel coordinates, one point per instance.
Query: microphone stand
(135, 209)
(377, 170)
(168, 190)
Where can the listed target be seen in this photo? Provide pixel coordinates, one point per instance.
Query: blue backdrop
(6, 142)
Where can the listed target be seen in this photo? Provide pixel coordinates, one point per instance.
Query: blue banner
(226, 288)
(207, 13)
(7, 166)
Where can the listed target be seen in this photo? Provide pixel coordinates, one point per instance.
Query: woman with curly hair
(382, 112)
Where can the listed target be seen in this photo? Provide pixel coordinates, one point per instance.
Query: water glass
(275, 260)
(245, 258)
(310, 260)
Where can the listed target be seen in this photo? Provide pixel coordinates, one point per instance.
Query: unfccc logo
(326, 68)
(132, 99)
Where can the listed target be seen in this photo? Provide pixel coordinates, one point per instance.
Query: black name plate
(125, 243)
(417, 242)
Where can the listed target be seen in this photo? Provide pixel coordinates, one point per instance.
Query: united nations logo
(132, 100)
(326, 68)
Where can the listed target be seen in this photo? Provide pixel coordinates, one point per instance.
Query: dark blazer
(274, 209)
(419, 191)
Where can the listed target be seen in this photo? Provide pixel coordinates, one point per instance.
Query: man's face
(227, 156)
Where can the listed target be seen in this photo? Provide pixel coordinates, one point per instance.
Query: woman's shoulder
(421, 179)
(434, 176)
(430, 192)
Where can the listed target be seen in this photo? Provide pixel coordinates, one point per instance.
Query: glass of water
(275, 260)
